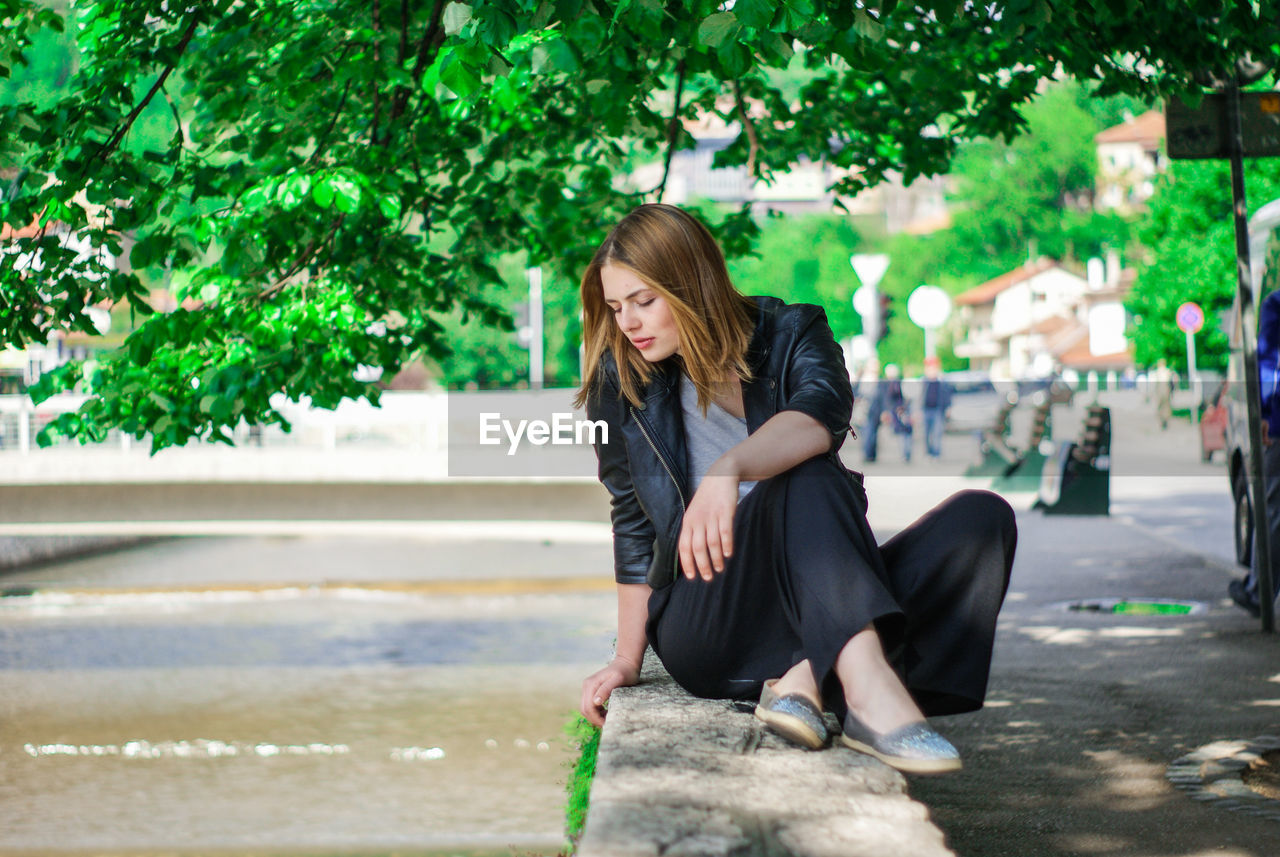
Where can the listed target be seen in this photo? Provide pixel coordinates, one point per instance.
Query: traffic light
(524, 332)
(886, 313)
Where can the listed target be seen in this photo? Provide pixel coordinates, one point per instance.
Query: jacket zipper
(663, 461)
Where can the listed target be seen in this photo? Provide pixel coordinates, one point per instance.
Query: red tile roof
(1147, 129)
(986, 293)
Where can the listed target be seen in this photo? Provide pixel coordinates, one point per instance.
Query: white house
(1042, 317)
(1129, 159)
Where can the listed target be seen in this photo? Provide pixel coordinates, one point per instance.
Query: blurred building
(20, 368)
(1043, 318)
(918, 208)
(1129, 159)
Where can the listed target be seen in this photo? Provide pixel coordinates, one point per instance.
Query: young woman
(742, 550)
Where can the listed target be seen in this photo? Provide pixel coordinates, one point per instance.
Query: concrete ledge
(20, 552)
(685, 777)
(134, 503)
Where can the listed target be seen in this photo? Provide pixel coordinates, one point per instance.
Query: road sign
(870, 268)
(1203, 132)
(1190, 318)
(928, 306)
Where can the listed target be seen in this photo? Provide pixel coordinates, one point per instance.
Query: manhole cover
(1263, 775)
(1138, 606)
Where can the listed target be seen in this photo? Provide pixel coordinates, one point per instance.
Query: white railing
(405, 420)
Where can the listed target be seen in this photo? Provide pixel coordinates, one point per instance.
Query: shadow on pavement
(1087, 710)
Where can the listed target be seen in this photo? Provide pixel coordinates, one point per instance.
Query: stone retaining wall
(685, 777)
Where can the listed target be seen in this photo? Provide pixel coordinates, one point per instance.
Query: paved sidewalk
(1089, 711)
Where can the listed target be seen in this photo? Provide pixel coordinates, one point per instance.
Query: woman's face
(641, 313)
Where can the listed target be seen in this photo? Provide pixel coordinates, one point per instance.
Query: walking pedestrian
(1162, 388)
(897, 408)
(870, 388)
(935, 401)
(742, 551)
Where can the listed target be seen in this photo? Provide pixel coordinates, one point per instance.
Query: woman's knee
(983, 511)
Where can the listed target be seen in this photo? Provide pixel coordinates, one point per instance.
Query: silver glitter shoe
(914, 749)
(793, 717)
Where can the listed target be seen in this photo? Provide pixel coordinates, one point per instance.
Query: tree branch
(404, 31)
(753, 139)
(673, 130)
(118, 136)
(324, 138)
(177, 120)
(377, 64)
(427, 50)
(302, 260)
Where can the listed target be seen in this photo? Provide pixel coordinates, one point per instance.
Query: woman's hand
(597, 687)
(706, 536)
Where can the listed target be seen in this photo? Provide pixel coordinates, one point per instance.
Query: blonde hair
(675, 255)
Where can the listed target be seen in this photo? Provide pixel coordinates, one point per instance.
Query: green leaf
(322, 193)
(456, 16)
(461, 79)
(389, 205)
(294, 190)
(735, 58)
(346, 193)
(755, 13)
(719, 28)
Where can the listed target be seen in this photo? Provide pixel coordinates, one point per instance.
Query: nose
(627, 319)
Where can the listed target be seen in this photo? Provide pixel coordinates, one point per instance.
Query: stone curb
(684, 777)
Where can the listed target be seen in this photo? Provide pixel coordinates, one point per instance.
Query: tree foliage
(1190, 237)
(339, 175)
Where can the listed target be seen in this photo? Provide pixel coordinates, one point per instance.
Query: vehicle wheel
(1244, 521)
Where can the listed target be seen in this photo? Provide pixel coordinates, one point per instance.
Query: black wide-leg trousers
(806, 575)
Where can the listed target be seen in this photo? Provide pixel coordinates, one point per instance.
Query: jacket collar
(762, 336)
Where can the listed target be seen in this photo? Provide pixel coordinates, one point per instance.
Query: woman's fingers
(595, 694)
(706, 535)
(687, 563)
(696, 551)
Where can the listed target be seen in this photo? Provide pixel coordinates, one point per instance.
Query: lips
(644, 343)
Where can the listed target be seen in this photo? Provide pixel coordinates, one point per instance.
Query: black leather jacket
(796, 365)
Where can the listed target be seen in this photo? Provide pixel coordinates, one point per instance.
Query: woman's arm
(786, 439)
(624, 670)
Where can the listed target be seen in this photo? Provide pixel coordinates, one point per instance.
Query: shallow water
(327, 722)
